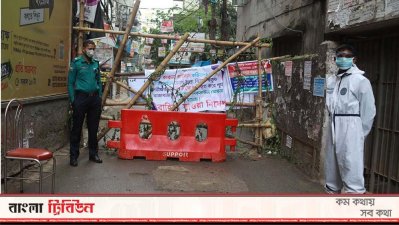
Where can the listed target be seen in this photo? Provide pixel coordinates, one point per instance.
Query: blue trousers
(85, 105)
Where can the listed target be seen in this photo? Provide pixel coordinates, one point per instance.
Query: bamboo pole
(123, 103)
(279, 57)
(141, 73)
(81, 20)
(259, 106)
(241, 104)
(103, 117)
(161, 66)
(181, 100)
(259, 73)
(120, 49)
(128, 88)
(195, 40)
(247, 142)
(298, 57)
(254, 125)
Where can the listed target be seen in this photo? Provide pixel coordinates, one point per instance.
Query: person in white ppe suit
(351, 106)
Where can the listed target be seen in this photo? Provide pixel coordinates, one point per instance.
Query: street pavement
(239, 175)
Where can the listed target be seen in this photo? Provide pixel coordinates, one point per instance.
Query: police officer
(84, 88)
(351, 106)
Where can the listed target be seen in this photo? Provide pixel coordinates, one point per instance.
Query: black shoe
(73, 162)
(95, 159)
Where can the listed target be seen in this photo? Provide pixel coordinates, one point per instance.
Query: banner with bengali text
(249, 72)
(175, 83)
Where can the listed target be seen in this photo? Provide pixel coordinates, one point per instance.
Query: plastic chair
(14, 150)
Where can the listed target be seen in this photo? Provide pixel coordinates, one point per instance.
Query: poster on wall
(307, 75)
(35, 46)
(288, 68)
(318, 86)
(249, 71)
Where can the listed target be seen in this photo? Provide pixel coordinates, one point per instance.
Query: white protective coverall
(351, 106)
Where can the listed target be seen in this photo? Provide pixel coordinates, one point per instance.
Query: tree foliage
(196, 17)
(187, 19)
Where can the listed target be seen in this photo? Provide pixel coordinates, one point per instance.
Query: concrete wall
(302, 18)
(299, 114)
(344, 14)
(297, 28)
(49, 117)
(49, 120)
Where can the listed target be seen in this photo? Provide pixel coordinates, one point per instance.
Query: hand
(71, 105)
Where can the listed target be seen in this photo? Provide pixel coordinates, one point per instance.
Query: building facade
(311, 30)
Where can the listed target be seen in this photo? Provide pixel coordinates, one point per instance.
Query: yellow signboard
(35, 46)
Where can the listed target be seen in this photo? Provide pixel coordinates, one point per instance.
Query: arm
(71, 82)
(367, 105)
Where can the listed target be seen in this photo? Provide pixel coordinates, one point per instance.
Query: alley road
(266, 175)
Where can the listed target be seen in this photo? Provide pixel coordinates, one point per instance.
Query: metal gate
(379, 57)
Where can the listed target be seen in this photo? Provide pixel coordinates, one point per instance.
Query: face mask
(344, 63)
(89, 53)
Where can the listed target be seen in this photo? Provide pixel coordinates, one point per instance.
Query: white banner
(136, 83)
(125, 208)
(174, 84)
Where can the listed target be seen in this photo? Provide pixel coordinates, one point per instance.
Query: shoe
(73, 162)
(95, 159)
(330, 191)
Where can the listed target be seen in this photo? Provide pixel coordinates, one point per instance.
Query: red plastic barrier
(159, 146)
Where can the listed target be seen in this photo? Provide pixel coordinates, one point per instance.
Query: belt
(333, 122)
(347, 115)
(87, 94)
(341, 114)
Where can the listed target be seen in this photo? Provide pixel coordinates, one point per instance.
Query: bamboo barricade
(141, 73)
(181, 100)
(161, 66)
(195, 40)
(120, 50)
(182, 39)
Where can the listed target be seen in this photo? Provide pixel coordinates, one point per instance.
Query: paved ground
(267, 174)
